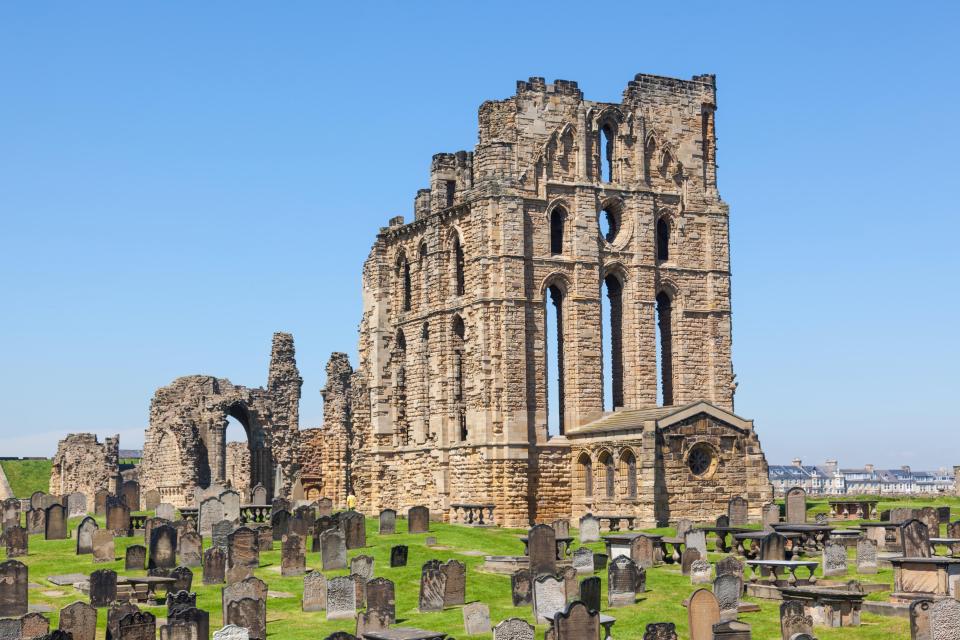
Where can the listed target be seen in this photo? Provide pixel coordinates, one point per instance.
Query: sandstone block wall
(84, 465)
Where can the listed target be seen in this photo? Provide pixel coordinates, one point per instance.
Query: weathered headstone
(738, 511)
(361, 588)
(9, 628)
(589, 529)
(514, 629)
(590, 592)
(418, 520)
(34, 626)
(432, 587)
(17, 542)
(198, 617)
(701, 572)
(372, 620)
(521, 587)
(770, 515)
(660, 631)
(76, 505)
(570, 586)
(151, 500)
(293, 556)
(642, 551)
(314, 591)
(866, 556)
(945, 619)
(697, 539)
(55, 527)
(11, 514)
(251, 587)
(354, 529)
(703, 612)
(130, 494)
(179, 630)
(577, 621)
(103, 546)
(214, 565)
(280, 523)
(455, 584)
(915, 537)
(118, 515)
(549, 597)
(920, 620)
(163, 547)
(362, 565)
(687, 558)
(542, 550)
(183, 577)
(324, 506)
(219, 533)
(398, 555)
(80, 620)
(796, 506)
(622, 575)
(333, 550)
(103, 587)
(793, 619)
(231, 632)
(476, 618)
(36, 521)
(100, 502)
(834, 559)
(231, 505)
(180, 599)
(85, 535)
(258, 495)
(190, 548)
(730, 566)
(211, 512)
(243, 549)
(388, 522)
(341, 598)
(728, 589)
(723, 521)
(582, 561)
(13, 588)
(166, 511)
(36, 500)
(114, 614)
(249, 613)
(773, 547)
(265, 538)
(135, 558)
(381, 595)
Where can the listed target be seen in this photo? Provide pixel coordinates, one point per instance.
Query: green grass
(666, 587)
(27, 476)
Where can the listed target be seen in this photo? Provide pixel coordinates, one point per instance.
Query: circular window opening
(701, 460)
(609, 221)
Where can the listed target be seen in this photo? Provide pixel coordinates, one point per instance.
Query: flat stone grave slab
(404, 633)
(68, 579)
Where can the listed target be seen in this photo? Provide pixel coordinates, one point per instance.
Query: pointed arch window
(605, 140)
(557, 220)
(403, 275)
(612, 338)
(553, 347)
(458, 266)
(663, 240)
(665, 347)
(585, 474)
(459, 347)
(628, 470)
(609, 474)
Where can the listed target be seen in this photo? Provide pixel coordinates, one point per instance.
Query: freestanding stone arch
(185, 447)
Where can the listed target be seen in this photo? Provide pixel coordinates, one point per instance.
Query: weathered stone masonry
(84, 465)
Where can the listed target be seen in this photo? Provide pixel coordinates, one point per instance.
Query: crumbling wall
(238, 467)
(84, 465)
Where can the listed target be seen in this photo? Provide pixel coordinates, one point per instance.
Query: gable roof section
(663, 417)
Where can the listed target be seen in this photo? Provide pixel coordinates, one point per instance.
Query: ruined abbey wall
(84, 465)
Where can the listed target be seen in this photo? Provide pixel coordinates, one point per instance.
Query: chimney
(831, 466)
(797, 462)
(868, 468)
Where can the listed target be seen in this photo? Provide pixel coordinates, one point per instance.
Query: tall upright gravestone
(13, 588)
(796, 506)
(214, 565)
(432, 587)
(354, 529)
(549, 597)
(703, 612)
(55, 527)
(341, 598)
(738, 511)
(542, 550)
(163, 547)
(85, 535)
(103, 587)
(388, 522)
(418, 520)
(80, 620)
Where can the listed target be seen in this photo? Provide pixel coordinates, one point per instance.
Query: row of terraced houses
(830, 479)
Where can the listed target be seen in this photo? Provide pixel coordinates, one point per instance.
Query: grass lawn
(27, 476)
(666, 587)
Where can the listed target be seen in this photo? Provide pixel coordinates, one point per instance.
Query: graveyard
(661, 599)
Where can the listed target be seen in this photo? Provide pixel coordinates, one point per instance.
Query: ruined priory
(579, 253)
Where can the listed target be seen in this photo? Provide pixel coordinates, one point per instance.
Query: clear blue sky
(179, 180)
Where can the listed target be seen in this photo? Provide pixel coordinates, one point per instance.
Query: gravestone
(514, 629)
(135, 558)
(542, 550)
(80, 620)
(834, 559)
(103, 546)
(100, 502)
(249, 613)
(214, 565)
(363, 566)
(11, 514)
(945, 619)
(770, 515)
(130, 494)
(728, 589)
(381, 595)
(773, 547)
(821, 518)
(183, 577)
(590, 592)
(372, 620)
(148, 526)
(899, 515)
(163, 547)
(432, 587)
(549, 597)
(582, 561)
(796, 506)
(660, 631)
(220, 532)
(211, 512)
(180, 599)
(398, 555)
(577, 621)
(521, 587)
(179, 630)
(354, 529)
(642, 551)
(36, 500)
(388, 522)
(687, 559)
(280, 523)
(85, 535)
(190, 547)
(166, 511)
(36, 521)
(703, 612)
(793, 619)
(455, 583)
(314, 591)
(76, 505)
(231, 632)
(34, 626)
(569, 576)
(114, 613)
(418, 520)
(683, 526)
(258, 495)
(730, 566)
(341, 598)
(151, 500)
(324, 506)
(333, 550)
(738, 511)
(243, 548)
(231, 505)
(281, 503)
(17, 542)
(915, 537)
(9, 628)
(300, 524)
(103, 587)
(247, 588)
(293, 557)
(930, 517)
(13, 588)
(723, 521)
(920, 620)
(731, 630)
(697, 539)
(589, 529)
(622, 575)
(361, 587)
(701, 572)
(118, 515)
(55, 526)
(265, 538)
(866, 556)
(476, 618)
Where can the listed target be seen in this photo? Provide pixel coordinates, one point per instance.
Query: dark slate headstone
(622, 576)
(55, 527)
(243, 548)
(80, 620)
(214, 565)
(114, 614)
(314, 591)
(103, 587)
(85, 535)
(542, 550)
(398, 555)
(135, 558)
(723, 521)
(13, 588)
(280, 504)
(183, 577)
(521, 587)
(130, 494)
(100, 502)
(148, 526)
(17, 542)
(590, 592)
(432, 587)
(280, 523)
(381, 595)
(141, 625)
(773, 547)
(220, 532)
(190, 548)
(455, 584)
(388, 522)
(730, 566)
(418, 520)
(180, 599)
(915, 537)
(577, 621)
(163, 547)
(293, 557)
(354, 529)
(333, 551)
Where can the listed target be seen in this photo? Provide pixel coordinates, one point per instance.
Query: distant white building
(828, 479)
